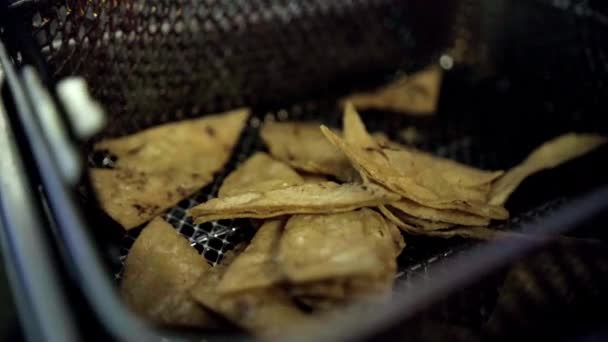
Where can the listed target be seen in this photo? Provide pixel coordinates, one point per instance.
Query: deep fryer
(524, 71)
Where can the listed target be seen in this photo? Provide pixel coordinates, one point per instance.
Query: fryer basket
(525, 71)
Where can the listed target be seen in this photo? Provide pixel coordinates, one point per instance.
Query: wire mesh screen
(157, 61)
(151, 62)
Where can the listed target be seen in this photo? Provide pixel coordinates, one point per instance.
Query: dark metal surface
(32, 270)
(186, 58)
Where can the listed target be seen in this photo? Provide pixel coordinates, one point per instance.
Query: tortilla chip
(355, 132)
(423, 224)
(398, 240)
(406, 227)
(313, 178)
(336, 293)
(265, 312)
(132, 197)
(302, 146)
(331, 288)
(435, 215)
(417, 93)
(160, 166)
(259, 173)
(256, 267)
(160, 269)
(549, 155)
(421, 185)
(321, 247)
(320, 198)
(455, 172)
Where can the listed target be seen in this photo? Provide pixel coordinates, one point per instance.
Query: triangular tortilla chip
(160, 269)
(132, 197)
(423, 224)
(417, 94)
(332, 260)
(453, 171)
(302, 146)
(319, 198)
(321, 247)
(160, 166)
(255, 267)
(312, 178)
(355, 132)
(549, 155)
(331, 288)
(431, 214)
(423, 186)
(404, 224)
(259, 173)
(266, 312)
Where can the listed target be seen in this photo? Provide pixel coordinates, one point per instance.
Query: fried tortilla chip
(313, 178)
(549, 155)
(337, 293)
(355, 132)
(160, 269)
(320, 198)
(426, 225)
(160, 166)
(264, 312)
(259, 173)
(416, 94)
(332, 260)
(132, 197)
(256, 267)
(398, 240)
(421, 185)
(435, 215)
(302, 146)
(331, 288)
(410, 224)
(453, 171)
(321, 247)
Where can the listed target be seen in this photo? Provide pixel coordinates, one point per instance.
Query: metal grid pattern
(185, 58)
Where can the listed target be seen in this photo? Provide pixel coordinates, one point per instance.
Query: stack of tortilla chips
(328, 204)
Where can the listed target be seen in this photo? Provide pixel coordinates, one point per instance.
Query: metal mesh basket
(151, 62)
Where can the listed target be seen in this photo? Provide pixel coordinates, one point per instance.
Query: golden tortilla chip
(160, 166)
(435, 215)
(425, 224)
(302, 146)
(132, 198)
(259, 173)
(397, 237)
(337, 293)
(160, 269)
(410, 224)
(453, 171)
(417, 94)
(355, 132)
(549, 155)
(421, 185)
(264, 312)
(255, 267)
(321, 247)
(320, 198)
(313, 178)
(331, 288)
